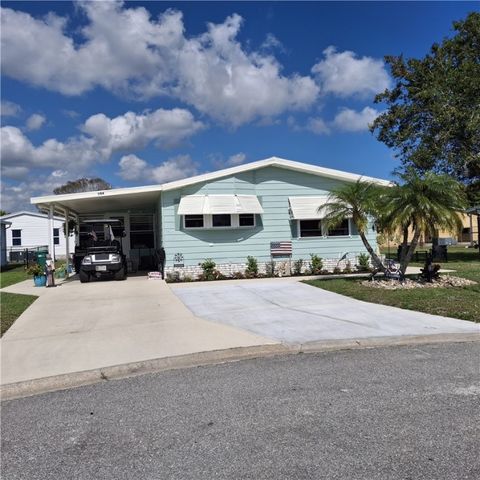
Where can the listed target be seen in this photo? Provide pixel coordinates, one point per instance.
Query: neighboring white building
(29, 230)
(3, 242)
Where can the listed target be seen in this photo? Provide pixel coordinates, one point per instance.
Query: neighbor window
(310, 228)
(340, 230)
(193, 221)
(246, 220)
(223, 220)
(16, 237)
(56, 236)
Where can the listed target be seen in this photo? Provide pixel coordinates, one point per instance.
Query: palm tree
(421, 204)
(362, 202)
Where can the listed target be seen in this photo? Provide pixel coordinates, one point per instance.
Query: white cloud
(102, 137)
(344, 74)
(131, 131)
(350, 120)
(318, 126)
(35, 121)
(134, 168)
(124, 50)
(9, 109)
(236, 159)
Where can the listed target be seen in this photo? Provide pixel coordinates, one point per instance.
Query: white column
(51, 246)
(67, 240)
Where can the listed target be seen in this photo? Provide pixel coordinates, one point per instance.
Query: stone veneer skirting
(282, 267)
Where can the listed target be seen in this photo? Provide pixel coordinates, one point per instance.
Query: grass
(461, 302)
(13, 274)
(12, 306)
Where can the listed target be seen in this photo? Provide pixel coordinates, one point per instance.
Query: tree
(433, 115)
(83, 185)
(362, 202)
(421, 204)
(3, 212)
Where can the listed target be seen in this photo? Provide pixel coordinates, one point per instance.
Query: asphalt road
(387, 413)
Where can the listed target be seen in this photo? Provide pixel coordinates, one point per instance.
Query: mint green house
(269, 209)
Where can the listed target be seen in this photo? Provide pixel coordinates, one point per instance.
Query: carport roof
(141, 197)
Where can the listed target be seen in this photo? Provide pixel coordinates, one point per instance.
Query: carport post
(67, 241)
(51, 246)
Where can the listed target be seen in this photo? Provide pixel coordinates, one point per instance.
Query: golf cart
(99, 253)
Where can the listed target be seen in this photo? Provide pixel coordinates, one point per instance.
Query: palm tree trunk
(375, 258)
(408, 256)
(403, 250)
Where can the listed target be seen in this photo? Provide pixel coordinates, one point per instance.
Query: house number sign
(178, 260)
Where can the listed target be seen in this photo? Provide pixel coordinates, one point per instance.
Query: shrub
(337, 270)
(363, 262)
(297, 267)
(270, 269)
(238, 275)
(316, 264)
(172, 277)
(209, 271)
(252, 267)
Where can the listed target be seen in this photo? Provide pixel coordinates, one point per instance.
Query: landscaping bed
(461, 302)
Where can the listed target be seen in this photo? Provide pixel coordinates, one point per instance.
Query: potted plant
(61, 271)
(39, 277)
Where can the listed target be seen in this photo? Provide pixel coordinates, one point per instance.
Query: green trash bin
(42, 258)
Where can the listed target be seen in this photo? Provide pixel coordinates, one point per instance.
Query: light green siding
(273, 186)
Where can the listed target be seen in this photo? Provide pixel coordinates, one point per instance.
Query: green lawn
(463, 303)
(13, 274)
(12, 306)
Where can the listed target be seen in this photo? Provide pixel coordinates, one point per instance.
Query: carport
(138, 207)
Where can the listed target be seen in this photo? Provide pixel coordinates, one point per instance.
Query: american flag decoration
(280, 248)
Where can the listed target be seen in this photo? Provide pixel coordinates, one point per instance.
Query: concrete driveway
(77, 327)
(293, 312)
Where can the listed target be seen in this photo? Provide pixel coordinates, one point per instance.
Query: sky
(142, 93)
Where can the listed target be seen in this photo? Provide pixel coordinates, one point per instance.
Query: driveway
(77, 327)
(293, 312)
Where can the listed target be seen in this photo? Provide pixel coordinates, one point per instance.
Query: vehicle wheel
(120, 275)
(84, 276)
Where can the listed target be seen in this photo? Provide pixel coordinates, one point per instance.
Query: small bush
(337, 270)
(209, 271)
(363, 262)
(173, 277)
(316, 264)
(270, 269)
(297, 267)
(238, 276)
(252, 267)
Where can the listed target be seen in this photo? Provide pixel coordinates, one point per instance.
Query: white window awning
(218, 204)
(307, 208)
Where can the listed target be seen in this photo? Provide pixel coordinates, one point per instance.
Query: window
(193, 221)
(342, 229)
(246, 220)
(223, 220)
(16, 237)
(56, 236)
(311, 228)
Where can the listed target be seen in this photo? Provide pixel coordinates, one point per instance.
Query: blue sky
(147, 92)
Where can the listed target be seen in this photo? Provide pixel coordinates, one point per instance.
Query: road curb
(72, 380)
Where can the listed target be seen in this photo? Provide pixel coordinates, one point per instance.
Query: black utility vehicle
(100, 253)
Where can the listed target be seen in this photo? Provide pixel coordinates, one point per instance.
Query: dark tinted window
(193, 221)
(16, 237)
(221, 221)
(340, 230)
(310, 228)
(246, 220)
